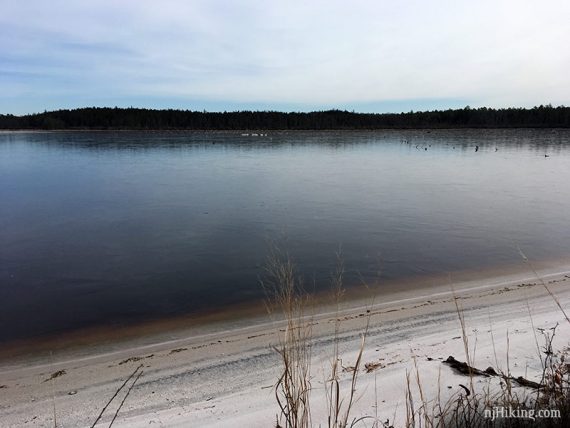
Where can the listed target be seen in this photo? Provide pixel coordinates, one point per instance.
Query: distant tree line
(147, 119)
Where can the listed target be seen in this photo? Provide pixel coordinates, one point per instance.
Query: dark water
(118, 227)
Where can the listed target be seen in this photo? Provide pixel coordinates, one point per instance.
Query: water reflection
(119, 226)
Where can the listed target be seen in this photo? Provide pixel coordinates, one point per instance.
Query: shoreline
(223, 376)
(254, 315)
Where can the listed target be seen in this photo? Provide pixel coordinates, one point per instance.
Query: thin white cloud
(317, 53)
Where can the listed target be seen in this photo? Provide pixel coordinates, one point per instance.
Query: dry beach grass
(228, 376)
(471, 406)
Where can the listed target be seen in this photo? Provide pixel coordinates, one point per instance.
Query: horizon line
(353, 111)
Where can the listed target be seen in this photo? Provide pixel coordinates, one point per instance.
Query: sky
(368, 56)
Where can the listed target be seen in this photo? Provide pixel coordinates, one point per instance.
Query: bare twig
(527, 261)
(115, 395)
(125, 397)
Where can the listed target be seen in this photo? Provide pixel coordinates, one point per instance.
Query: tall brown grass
(293, 387)
(466, 408)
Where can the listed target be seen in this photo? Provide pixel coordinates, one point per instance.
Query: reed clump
(501, 400)
(294, 385)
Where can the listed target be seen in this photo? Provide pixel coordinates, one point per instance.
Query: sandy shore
(222, 373)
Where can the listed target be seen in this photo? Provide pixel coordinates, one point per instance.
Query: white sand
(223, 375)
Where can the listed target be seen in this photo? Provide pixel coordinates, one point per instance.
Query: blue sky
(373, 56)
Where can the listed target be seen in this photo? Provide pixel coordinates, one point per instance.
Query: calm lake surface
(116, 227)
